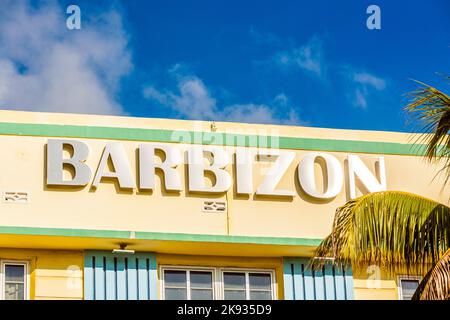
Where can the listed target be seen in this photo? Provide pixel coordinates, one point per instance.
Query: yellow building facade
(102, 207)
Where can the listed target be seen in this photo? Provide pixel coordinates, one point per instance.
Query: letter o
(307, 179)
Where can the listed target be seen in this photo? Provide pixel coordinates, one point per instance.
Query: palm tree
(436, 283)
(399, 230)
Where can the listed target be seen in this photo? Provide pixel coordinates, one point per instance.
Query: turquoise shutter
(110, 276)
(329, 283)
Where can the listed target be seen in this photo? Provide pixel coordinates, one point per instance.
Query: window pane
(234, 280)
(14, 291)
(175, 278)
(201, 294)
(14, 273)
(260, 295)
(235, 295)
(408, 288)
(175, 294)
(260, 281)
(200, 279)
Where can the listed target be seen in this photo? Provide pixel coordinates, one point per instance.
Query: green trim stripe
(208, 138)
(227, 239)
(113, 234)
(31, 231)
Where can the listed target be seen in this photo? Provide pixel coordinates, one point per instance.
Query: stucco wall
(109, 207)
(53, 274)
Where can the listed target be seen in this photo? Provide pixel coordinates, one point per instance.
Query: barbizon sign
(198, 166)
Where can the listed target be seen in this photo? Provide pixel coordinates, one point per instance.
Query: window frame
(187, 269)
(26, 265)
(399, 283)
(247, 271)
(218, 285)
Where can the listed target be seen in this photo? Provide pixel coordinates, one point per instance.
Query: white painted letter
(357, 168)
(147, 166)
(307, 178)
(55, 163)
(276, 172)
(122, 171)
(197, 168)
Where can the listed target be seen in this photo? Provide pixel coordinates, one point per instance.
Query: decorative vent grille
(15, 197)
(214, 206)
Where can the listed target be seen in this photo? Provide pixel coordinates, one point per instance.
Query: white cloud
(362, 85)
(194, 98)
(281, 99)
(257, 113)
(151, 92)
(46, 67)
(194, 101)
(369, 80)
(308, 57)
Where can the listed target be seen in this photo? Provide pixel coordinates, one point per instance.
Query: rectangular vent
(15, 197)
(214, 206)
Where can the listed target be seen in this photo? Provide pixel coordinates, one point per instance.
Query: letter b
(56, 162)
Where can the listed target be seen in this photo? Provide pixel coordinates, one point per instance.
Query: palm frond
(432, 108)
(436, 283)
(392, 229)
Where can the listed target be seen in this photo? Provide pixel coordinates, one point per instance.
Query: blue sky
(311, 63)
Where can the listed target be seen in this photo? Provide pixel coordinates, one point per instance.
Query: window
(247, 285)
(14, 280)
(407, 285)
(190, 283)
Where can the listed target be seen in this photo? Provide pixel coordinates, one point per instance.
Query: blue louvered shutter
(110, 276)
(329, 283)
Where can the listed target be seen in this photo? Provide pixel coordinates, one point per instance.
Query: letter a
(374, 20)
(74, 20)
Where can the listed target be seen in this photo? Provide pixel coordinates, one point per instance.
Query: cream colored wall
(54, 274)
(386, 290)
(374, 284)
(23, 163)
